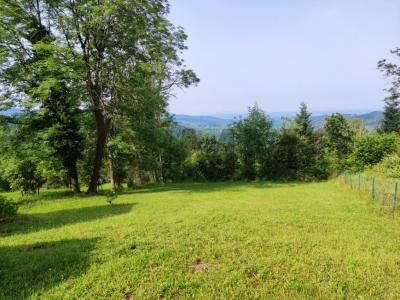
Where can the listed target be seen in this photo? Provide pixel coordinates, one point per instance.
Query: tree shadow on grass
(35, 222)
(30, 270)
(189, 187)
(207, 187)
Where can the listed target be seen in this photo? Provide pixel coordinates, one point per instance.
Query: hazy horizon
(284, 113)
(281, 53)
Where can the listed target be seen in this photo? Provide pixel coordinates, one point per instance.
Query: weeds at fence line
(383, 191)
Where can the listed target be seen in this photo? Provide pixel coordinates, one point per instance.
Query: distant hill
(216, 125)
(206, 124)
(372, 120)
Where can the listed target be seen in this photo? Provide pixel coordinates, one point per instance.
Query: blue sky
(281, 52)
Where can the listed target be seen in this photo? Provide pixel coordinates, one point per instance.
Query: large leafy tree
(36, 73)
(391, 115)
(125, 52)
(253, 137)
(126, 48)
(338, 135)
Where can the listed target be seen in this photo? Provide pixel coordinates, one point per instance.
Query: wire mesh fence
(383, 191)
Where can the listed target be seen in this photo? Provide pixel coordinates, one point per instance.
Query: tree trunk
(111, 170)
(161, 175)
(73, 175)
(101, 135)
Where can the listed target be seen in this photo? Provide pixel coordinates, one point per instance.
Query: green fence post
(359, 181)
(351, 185)
(373, 188)
(395, 197)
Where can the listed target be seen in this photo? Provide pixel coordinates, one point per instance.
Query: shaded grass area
(28, 270)
(203, 241)
(40, 221)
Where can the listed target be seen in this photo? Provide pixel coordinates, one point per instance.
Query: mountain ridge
(215, 125)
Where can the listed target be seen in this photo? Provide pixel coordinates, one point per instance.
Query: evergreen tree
(391, 115)
(303, 122)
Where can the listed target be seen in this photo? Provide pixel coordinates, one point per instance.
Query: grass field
(203, 241)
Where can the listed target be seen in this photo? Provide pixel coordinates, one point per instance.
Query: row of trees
(153, 151)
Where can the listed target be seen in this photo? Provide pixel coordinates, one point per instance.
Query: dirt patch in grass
(129, 296)
(200, 266)
(251, 274)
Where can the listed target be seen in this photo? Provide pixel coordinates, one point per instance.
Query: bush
(8, 210)
(370, 150)
(296, 157)
(4, 185)
(111, 196)
(24, 175)
(389, 167)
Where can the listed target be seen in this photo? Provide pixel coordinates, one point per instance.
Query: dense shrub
(25, 176)
(371, 149)
(8, 209)
(296, 157)
(4, 185)
(288, 157)
(389, 167)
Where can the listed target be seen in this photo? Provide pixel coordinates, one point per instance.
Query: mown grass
(203, 241)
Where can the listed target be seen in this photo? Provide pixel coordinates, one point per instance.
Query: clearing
(203, 241)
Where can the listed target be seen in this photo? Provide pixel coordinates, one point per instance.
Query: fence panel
(383, 191)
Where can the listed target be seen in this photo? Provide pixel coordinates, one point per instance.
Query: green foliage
(8, 209)
(391, 115)
(302, 122)
(357, 126)
(87, 55)
(296, 157)
(299, 152)
(338, 139)
(24, 175)
(371, 149)
(388, 167)
(253, 138)
(288, 156)
(111, 196)
(62, 123)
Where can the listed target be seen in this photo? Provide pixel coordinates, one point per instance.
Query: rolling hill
(215, 125)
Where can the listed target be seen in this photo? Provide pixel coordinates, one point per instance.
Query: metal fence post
(373, 188)
(359, 181)
(351, 184)
(395, 196)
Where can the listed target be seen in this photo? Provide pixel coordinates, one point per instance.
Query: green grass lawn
(203, 241)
